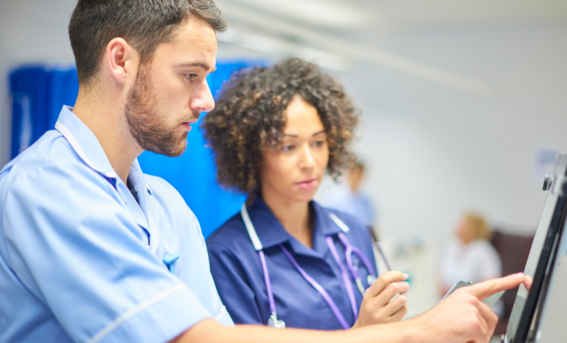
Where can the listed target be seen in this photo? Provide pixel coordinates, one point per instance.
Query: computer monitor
(529, 307)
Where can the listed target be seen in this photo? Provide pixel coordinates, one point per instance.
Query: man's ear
(121, 59)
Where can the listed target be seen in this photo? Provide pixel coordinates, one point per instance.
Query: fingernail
(406, 276)
(520, 276)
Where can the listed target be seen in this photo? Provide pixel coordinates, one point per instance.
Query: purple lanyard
(319, 289)
(349, 250)
(344, 275)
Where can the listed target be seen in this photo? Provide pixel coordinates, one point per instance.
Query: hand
(528, 280)
(462, 317)
(377, 304)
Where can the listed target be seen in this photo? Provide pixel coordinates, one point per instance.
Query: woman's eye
(319, 143)
(287, 147)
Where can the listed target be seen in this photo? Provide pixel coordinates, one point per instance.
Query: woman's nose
(307, 158)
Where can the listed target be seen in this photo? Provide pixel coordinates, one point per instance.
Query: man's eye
(191, 77)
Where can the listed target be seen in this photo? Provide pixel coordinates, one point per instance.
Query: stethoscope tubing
(349, 251)
(319, 289)
(344, 276)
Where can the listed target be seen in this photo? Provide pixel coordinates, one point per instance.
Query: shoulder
(353, 223)
(50, 150)
(358, 233)
(51, 168)
(230, 236)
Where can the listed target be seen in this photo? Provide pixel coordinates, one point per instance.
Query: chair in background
(513, 251)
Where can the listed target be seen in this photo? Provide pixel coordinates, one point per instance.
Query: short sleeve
(72, 243)
(230, 280)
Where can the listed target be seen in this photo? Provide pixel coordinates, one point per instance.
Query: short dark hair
(143, 23)
(249, 118)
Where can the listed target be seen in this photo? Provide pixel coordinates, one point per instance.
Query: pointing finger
(485, 289)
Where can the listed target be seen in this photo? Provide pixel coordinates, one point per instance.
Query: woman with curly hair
(284, 260)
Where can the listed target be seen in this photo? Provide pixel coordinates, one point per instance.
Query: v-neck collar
(272, 233)
(89, 149)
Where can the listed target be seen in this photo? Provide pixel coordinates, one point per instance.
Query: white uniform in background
(476, 261)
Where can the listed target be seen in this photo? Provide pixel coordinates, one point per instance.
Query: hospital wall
(432, 151)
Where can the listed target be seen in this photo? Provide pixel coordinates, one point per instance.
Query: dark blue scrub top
(239, 279)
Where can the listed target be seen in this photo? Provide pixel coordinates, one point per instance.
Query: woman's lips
(307, 184)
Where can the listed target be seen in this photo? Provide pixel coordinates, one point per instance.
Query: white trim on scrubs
(82, 261)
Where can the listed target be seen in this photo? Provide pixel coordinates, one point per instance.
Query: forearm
(210, 331)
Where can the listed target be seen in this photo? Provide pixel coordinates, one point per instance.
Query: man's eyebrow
(203, 65)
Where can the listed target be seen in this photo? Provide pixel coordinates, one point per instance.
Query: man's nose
(203, 100)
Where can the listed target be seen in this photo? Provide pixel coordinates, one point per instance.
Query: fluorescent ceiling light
(277, 46)
(326, 13)
(350, 50)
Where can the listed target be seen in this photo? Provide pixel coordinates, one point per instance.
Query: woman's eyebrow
(296, 136)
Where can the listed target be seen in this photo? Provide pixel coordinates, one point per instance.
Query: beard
(147, 125)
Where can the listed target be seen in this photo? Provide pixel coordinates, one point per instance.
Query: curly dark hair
(249, 118)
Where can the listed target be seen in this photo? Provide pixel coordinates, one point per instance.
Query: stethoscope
(351, 266)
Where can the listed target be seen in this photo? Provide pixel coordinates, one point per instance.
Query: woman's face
(294, 170)
(464, 231)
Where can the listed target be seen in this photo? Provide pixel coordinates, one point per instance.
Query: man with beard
(93, 250)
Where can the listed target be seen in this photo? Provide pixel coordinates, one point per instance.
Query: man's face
(171, 91)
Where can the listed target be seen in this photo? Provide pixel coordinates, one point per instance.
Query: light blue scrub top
(75, 263)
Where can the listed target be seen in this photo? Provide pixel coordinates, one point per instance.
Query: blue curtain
(39, 92)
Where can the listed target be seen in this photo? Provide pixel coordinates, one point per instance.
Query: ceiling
(335, 33)
(406, 14)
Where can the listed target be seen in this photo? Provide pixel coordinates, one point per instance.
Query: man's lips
(187, 124)
(307, 183)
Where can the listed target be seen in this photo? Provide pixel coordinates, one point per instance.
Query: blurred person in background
(349, 198)
(275, 132)
(471, 257)
(70, 205)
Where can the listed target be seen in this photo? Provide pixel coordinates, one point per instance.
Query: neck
(294, 217)
(103, 113)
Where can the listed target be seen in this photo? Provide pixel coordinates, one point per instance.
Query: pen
(383, 255)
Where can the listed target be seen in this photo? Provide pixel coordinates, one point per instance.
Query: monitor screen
(527, 303)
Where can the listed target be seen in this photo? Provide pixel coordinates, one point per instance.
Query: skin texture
(249, 119)
(180, 89)
(176, 92)
(461, 317)
(290, 175)
(464, 231)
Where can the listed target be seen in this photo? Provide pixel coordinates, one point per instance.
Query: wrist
(412, 332)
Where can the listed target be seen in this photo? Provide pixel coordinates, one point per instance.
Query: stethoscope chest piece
(274, 322)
